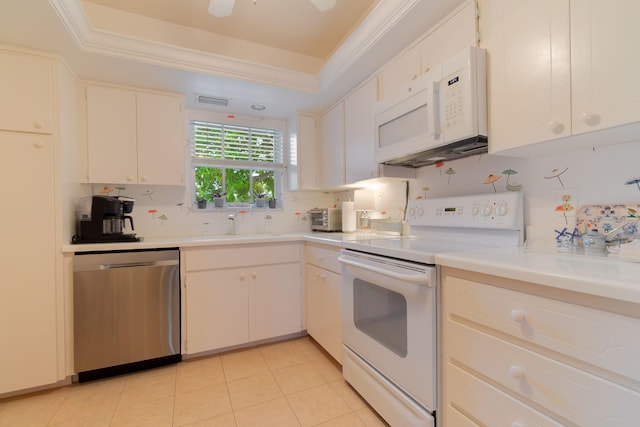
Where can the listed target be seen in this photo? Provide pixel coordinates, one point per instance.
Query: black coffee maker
(102, 219)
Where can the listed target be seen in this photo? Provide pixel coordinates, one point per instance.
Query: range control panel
(494, 211)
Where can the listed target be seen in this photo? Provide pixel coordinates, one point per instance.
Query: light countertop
(604, 276)
(185, 242)
(595, 275)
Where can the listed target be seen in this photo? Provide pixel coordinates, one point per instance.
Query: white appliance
(390, 299)
(442, 115)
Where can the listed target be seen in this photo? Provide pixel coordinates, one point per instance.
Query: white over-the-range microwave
(441, 115)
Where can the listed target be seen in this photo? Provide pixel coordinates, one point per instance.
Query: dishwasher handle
(137, 264)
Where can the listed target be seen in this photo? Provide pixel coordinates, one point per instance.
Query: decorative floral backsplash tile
(605, 218)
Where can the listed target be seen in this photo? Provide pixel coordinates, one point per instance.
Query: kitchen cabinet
(28, 326)
(332, 165)
(236, 294)
(134, 137)
(515, 353)
(303, 160)
(323, 307)
(26, 85)
(359, 127)
(560, 71)
(448, 37)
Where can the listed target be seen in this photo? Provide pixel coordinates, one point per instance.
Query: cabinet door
(274, 301)
(28, 290)
(359, 126)
(303, 171)
(216, 306)
(453, 35)
(161, 139)
(605, 63)
(397, 73)
(529, 87)
(332, 148)
(26, 85)
(324, 322)
(111, 134)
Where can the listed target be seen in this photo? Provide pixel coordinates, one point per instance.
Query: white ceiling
(305, 62)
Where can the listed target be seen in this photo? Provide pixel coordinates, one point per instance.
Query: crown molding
(92, 40)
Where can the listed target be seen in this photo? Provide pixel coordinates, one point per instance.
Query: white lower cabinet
(323, 309)
(512, 357)
(236, 294)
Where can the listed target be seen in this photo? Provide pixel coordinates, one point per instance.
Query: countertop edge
(575, 273)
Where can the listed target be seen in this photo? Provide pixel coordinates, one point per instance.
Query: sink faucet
(232, 218)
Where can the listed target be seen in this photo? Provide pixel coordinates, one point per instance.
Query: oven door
(389, 320)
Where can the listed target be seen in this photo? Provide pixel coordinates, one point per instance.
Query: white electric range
(390, 293)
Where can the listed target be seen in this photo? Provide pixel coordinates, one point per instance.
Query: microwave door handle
(410, 278)
(435, 105)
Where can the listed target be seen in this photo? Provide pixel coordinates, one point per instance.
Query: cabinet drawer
(323, 257)
(486, 404)
(594, 336)
(231, 256)
(575, 395)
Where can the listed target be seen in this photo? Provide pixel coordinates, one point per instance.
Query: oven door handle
(410, 278)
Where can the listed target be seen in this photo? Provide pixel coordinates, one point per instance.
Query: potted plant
(201, 199)
(260, 200)
(218, 199)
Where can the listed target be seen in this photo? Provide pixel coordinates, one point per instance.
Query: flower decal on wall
(632, 181)
(491, 179)
(565, 206)
(556, 174)
(439, 166)
(449, 172)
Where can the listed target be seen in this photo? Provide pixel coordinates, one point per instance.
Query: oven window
(381, 314)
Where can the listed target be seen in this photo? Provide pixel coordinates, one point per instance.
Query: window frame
(279, 169)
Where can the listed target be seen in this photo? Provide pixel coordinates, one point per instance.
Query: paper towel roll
(348, 217)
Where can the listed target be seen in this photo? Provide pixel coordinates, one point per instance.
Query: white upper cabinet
(359, 132)
(529, 87)
(332, 166)
(605, 63)
(302, 172)
(560, 70)
(26, 85)
(451, 35)
(134, 137)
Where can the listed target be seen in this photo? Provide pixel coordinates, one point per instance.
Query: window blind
(236, 143)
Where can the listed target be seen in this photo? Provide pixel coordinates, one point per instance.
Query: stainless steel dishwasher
(126, 309)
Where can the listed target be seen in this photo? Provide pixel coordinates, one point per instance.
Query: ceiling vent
(213, 100)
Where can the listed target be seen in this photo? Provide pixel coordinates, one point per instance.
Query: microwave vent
(456, 150)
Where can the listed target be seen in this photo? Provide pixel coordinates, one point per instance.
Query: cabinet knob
(516, 372)
(589, 118)
(318, 276)
(555, 127)
(517, 315)
(38, 125)
(242, 276)
(39, 144)
(254, 275)
(415, 76)
(143, 178)
(129, 178)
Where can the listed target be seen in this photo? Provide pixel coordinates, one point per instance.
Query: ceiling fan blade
(221, 8)
(323, 5)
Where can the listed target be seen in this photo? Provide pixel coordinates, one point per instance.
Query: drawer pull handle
(517, 316)
(516, 372)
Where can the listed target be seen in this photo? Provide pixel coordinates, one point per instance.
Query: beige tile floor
(291, 383)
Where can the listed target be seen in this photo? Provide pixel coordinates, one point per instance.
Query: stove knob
(501, 209)
(486, 209)
(475, 210)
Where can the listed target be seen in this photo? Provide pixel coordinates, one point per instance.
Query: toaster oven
(326, 219)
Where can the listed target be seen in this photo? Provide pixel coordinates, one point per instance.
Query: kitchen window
(243, 165)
